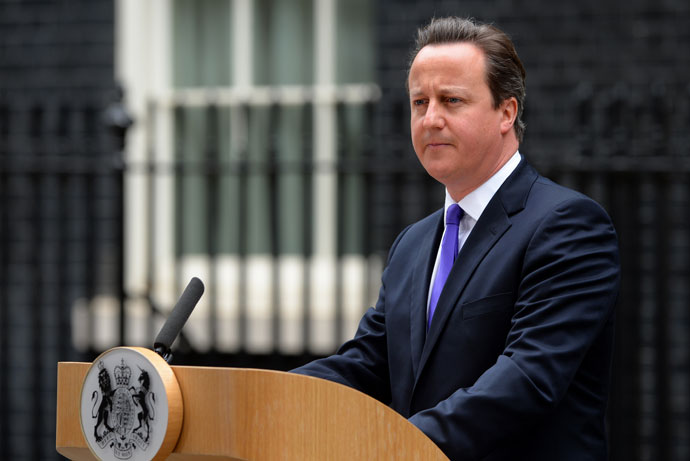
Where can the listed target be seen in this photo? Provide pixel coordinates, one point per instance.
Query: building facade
(263, 146)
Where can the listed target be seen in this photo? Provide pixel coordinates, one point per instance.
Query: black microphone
(179, 315)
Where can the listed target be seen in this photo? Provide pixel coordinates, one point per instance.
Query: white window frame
(144, 68)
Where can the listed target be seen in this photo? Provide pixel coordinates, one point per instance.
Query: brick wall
(56, 75)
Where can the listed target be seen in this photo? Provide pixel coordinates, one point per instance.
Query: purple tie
(449, 251)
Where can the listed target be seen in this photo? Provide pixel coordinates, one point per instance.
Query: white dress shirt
(473, 204)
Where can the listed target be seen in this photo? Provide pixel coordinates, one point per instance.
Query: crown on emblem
(122, 374)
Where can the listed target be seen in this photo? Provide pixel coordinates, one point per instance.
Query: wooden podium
(247, 414)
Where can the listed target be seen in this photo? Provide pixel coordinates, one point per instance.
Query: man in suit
(509, 359)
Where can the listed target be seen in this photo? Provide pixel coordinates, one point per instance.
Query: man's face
(458, 135)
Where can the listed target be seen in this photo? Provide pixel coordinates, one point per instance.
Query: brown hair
(505, 73)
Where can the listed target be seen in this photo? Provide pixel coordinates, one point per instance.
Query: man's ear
(509, 109)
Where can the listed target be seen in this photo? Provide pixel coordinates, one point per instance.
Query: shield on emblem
(123, 410)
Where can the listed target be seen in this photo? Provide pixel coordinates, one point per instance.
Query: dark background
(608, 113)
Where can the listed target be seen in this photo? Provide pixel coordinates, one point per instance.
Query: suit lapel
(493, 223)
(485, 233)
(420, 288)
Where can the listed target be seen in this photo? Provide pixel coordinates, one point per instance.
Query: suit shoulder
(427, 224)
(547, 188)
(553, 195)
(417, 231)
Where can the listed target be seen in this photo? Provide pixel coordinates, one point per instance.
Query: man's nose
(434, 117)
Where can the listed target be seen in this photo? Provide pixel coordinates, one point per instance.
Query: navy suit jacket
(515, 365)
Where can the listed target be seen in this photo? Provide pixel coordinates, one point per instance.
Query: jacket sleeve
(362, 362)
(566, 295)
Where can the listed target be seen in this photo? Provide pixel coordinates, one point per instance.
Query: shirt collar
(474, 203)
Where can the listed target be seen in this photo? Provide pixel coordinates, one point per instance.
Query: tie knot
(454, 214)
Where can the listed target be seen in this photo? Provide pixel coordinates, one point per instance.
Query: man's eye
(453, 100)
(418, 102)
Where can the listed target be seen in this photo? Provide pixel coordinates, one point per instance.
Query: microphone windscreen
(180, 313)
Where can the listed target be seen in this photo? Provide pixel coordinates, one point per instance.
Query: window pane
(355, 41)
(230, 192)
(258, 185)
(283, 42)
(190, 128)
(353, 139)
(292, 182)
(201, 43)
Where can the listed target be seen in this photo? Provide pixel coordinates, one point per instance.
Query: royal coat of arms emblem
(123, 414)
(124, 408)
